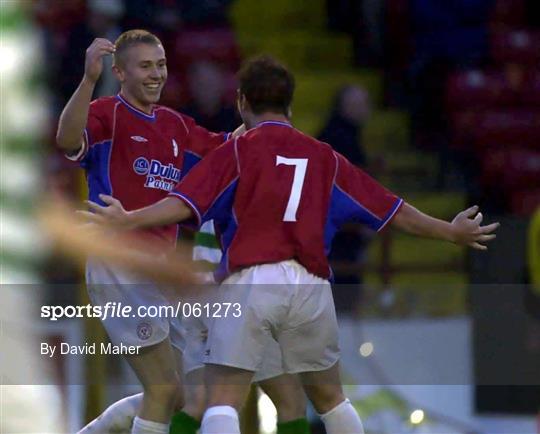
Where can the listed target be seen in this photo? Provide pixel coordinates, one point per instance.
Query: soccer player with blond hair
(137, 150)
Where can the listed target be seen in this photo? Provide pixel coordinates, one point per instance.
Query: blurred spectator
(207, 88)
(343, 131)
(102, 21)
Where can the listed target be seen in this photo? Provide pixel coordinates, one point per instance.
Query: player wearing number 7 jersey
(277, 197)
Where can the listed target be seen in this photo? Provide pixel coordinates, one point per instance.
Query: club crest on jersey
(158, 175)
(144, 331)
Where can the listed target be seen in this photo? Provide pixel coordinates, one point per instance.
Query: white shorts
(196, 330)
(108, 285)
(283, 302)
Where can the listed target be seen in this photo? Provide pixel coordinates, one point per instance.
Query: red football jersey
(277, 194)
(138, 158)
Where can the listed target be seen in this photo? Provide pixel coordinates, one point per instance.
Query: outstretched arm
(465, 229)
(80, 241)
(167, 211)
(75, 114)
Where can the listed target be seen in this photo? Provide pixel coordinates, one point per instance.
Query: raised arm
(167, 211)
(75, 114)
(465, 229)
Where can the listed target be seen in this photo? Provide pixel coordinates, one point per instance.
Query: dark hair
(267, 85)
(133, 37)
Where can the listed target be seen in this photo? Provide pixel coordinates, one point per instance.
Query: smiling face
(142, 72)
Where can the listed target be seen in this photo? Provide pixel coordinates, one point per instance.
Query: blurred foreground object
(532, 300)
(79, 241)
(534, 251)
(19, 398)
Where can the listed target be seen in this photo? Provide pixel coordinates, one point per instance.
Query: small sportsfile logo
(139, 139)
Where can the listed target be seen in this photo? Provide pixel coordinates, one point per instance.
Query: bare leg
(287, 394)
(156, 369)
(195, 391)
(227, 389)
(324, 390)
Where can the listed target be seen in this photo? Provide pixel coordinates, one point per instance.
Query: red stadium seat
(477, 89)
(231, 86)
(497, 128)
(174, 93)
(218, 45)
(58, 16)
(516, 46)
(508, 13)
(525, 202)
(398, 33)
(511, 169)
(463, 124)
(530, 93)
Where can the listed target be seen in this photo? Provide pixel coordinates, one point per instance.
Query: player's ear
(240, 101)
(245, 103)
(118, 72)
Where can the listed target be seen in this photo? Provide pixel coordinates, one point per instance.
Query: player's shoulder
(104, 109)
(104, 103)
(169, 113)
(316, 143)
(289, 135)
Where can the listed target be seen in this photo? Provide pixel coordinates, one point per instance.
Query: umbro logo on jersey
(139, 139)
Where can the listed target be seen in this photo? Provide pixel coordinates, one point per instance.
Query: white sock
(117, 418)
(221, 419)
(342, 419)
(142, 426)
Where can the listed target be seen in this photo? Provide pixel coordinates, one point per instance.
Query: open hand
(468, 231)
(112, 215)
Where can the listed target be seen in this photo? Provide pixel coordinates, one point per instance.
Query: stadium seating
(398, 29)
(525, 202)
(516, 46)
(489, 129)
(494, 113)
(511, 169)
(215, 44)
(530, 91)
(477, 89)
(508, 13)
(174, 93)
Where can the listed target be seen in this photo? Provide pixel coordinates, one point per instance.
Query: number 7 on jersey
(300, 166)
